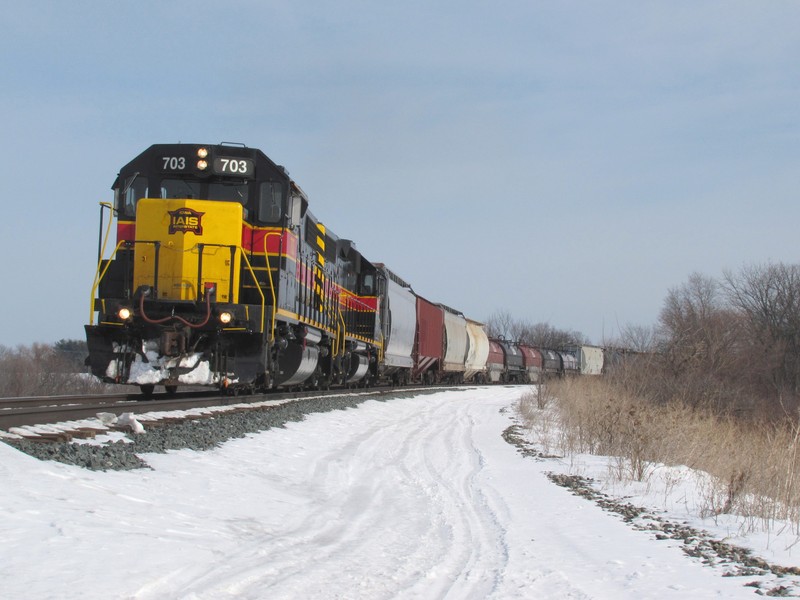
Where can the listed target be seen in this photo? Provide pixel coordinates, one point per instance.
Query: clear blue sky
(567, 162)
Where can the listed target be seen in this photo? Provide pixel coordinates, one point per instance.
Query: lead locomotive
(222, 276)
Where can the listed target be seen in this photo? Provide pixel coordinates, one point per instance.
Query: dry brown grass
(753, 466)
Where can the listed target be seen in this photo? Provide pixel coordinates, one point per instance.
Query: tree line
(46, 370)
(503, 325)
(731, 342)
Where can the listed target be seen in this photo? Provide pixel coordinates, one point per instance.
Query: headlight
(202, 165)
(225, 317)
(124, 313)
(202, 153)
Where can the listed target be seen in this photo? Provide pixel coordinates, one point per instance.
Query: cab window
(368, 285)
(228, 192)
(135, 188)
(295, 210)
(180, 188)
(270, 202)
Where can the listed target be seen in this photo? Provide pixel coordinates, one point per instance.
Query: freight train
(221, 275)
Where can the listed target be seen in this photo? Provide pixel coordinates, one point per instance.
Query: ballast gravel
(199, 434)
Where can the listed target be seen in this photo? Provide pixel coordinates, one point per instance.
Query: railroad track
(61, 418)
(42, 410)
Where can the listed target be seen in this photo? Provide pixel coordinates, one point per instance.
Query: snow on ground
(412, 498)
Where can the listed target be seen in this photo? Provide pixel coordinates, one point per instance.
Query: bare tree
(695, 322)
(500, 324)
(702, 346)
(45, 370)
(544, 335)
(768, 296)
(638, 338)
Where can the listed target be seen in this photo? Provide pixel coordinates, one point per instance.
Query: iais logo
(185, 219)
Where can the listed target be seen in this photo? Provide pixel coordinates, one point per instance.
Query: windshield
(135, 187)
(180, 188)
(193, 190)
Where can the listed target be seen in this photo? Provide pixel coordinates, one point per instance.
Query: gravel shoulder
(198, 434)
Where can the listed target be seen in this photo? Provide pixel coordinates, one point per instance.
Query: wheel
(171, 389)
(147, 390)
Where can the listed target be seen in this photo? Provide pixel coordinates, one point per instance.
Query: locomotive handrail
(200, 248)
(97, 275)
(101, 246)
(341, 332)
(99, 278)
(271, 282)
(258, 287)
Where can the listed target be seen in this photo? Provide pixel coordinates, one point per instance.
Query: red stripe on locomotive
(126, 231)
(278, 241)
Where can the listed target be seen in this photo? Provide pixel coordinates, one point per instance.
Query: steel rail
(48, 410)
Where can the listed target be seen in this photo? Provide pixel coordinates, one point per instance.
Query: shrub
(752, 465)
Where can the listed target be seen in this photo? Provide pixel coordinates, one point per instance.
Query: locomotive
(222, 276)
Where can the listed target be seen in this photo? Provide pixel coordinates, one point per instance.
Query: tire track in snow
(472, 553)
(418, 460)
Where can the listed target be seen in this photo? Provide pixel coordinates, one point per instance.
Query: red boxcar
(429, 346)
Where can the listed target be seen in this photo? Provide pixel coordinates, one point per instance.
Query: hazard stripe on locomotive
(221, 276)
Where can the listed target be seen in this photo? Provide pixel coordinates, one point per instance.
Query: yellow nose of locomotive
(184, 245)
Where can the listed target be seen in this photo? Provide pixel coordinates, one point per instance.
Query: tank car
(514, 362)
(221, 275)
(551, 363)
(569, 364)
(532, 359)
(495, 363)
